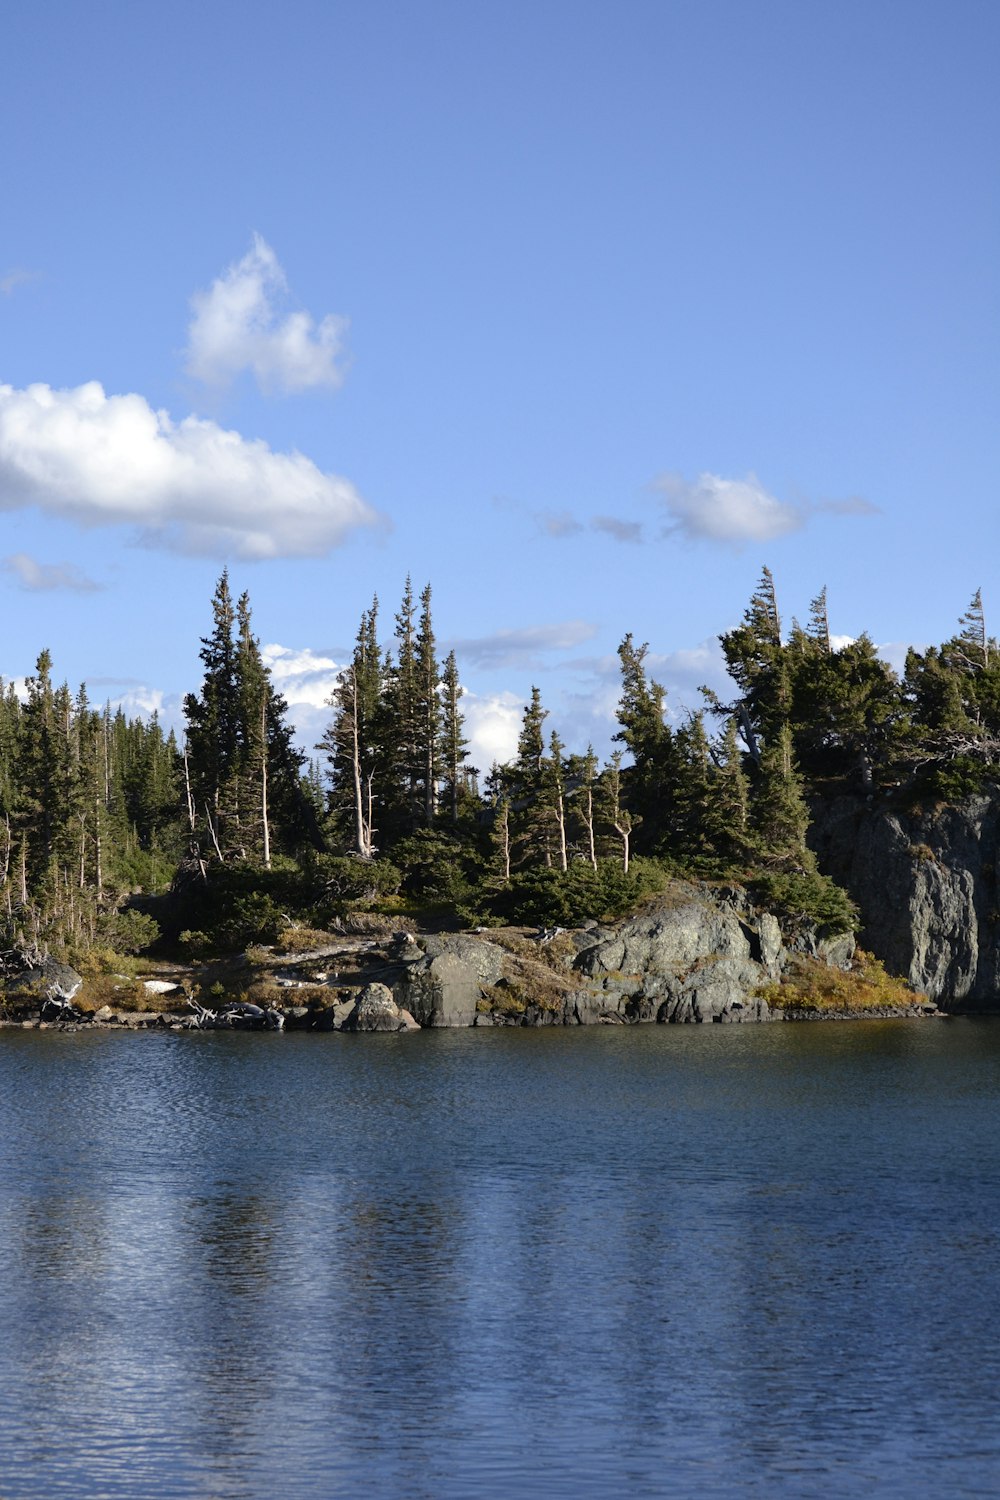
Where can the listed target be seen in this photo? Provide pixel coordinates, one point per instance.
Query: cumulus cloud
(306, 679)
(733, 511)
(492, 727)
(190, 486)
(238, 326)
(39, 577)
(522, 648)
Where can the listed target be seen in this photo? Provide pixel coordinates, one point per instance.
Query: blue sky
(580, 311)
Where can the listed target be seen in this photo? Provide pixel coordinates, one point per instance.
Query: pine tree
(353, 742)
(756, 663)
(530, 822)
(644, 732)
(428, 707)
(242, 768)
(582, 777)
(454, 747)
(403, 802)
(212, 722)
(780, 814)
(553, 787)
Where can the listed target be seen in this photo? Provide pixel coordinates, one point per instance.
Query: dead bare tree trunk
(263, 785)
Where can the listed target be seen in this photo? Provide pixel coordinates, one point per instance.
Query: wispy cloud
(240, 324)
(38, 577)
(737, 511)
(854, 505)
(189, 486)
(523, 648)
(561, 524)
(14, 278)
(618, 530)
(558, 523)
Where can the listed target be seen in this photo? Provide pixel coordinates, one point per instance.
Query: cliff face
(926, 885)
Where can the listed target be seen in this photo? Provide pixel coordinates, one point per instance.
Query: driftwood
(237, 1015)
(59, 1008)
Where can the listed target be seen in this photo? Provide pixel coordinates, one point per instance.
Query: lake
(649, 1261)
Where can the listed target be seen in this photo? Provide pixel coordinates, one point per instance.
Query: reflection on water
(644, 1262)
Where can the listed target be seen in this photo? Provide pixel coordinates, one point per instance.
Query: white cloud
(16, 277)
(733, 511)
(237, 326)
(306, 679)
(190, 486)
(39, 577)
(492, 727)
(522, 648)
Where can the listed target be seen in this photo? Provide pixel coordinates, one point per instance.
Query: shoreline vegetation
(679, 881)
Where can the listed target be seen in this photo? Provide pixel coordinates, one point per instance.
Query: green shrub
(128, 930)
(809, 895)
(565, 898)
(248, 919)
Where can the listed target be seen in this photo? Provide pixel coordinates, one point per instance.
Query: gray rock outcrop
(445, 985)
(925, 882)
(691, 958)
(376, 1010)
(47, 980)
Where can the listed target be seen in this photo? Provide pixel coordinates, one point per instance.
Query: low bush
(811, 985)
(806, 894)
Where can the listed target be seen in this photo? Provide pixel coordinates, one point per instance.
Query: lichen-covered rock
(376, 1010)
(445, 987)
(484, 958)
(691, 958)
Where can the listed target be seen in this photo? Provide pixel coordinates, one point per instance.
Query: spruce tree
(428, 714)
(453, 746)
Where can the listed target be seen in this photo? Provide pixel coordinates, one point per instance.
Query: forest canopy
(116, 832)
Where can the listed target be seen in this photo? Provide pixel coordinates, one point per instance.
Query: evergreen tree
(242, 769)
(554, 794)
(756, 663)
(403, 801)
(780, 814)
(429, 715)
(582, 782)
(530, 820)
(354, 741)
(644, 732)
(453, 746)
(212, 722)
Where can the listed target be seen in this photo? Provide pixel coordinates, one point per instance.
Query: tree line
(98, 809)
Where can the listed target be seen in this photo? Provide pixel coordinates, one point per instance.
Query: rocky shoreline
(696, 955)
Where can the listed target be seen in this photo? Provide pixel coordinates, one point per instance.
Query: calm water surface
(691, 1261)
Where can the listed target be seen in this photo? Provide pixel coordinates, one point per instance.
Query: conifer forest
(119, 837)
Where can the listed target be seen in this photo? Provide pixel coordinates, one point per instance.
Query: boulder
(445, 987)
(696, 956)
(376, 1010)
(48, 980)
